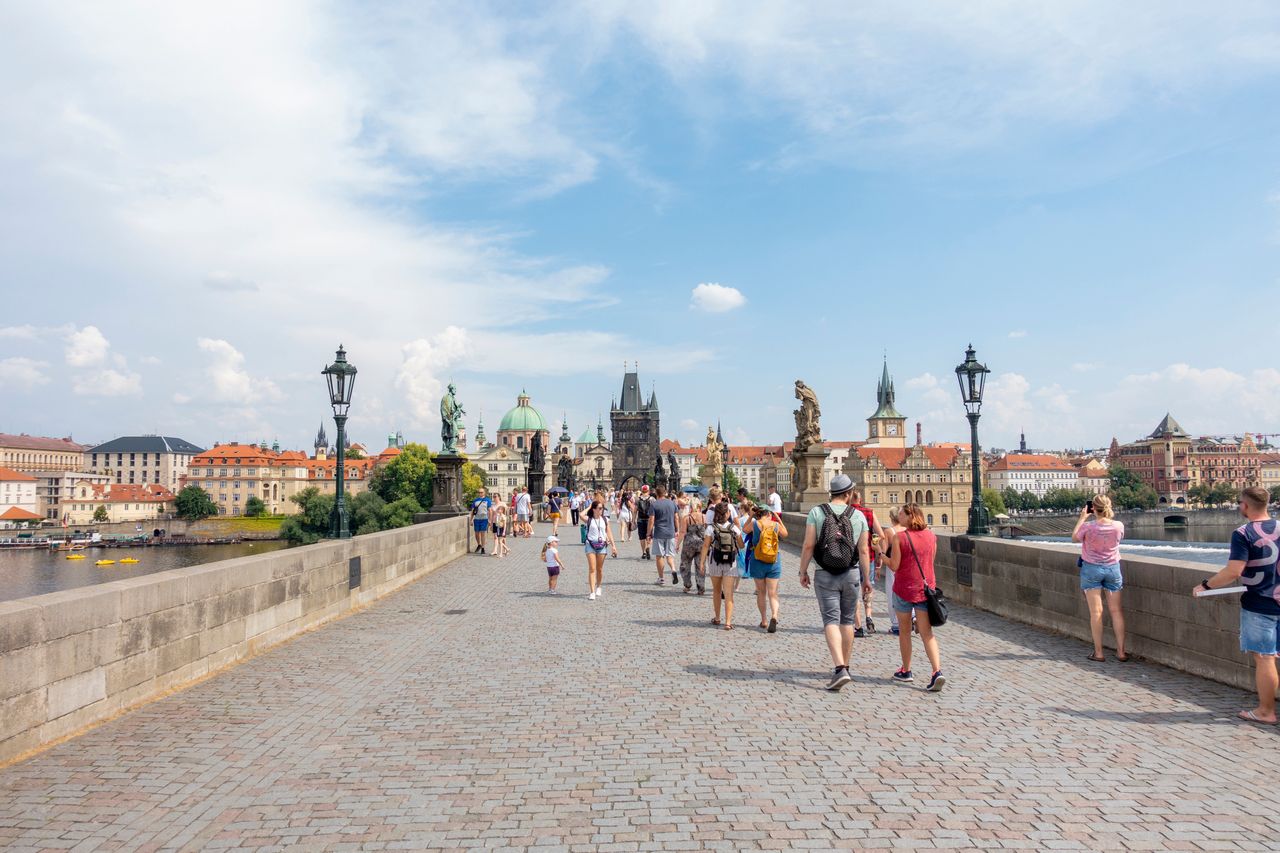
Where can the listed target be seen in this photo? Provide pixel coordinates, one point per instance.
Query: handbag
(934, 602)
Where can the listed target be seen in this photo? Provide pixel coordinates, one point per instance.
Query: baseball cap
(553, 538)
(644, 488)
(840, 483)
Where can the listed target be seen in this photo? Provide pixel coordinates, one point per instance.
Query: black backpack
(837, 550)
(724, 546)
(643, 507)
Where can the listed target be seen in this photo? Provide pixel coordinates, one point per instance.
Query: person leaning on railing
(1099, 539)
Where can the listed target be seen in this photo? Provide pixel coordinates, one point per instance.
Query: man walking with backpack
(835, 537)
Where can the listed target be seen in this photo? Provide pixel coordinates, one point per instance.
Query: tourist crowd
(731, 538)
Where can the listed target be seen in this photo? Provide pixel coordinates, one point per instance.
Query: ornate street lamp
(341, 377)
(973, 379)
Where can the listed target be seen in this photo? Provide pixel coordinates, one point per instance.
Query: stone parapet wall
(74, 658)
(1040, 585)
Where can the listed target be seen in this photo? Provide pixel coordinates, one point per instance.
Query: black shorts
(644, 528)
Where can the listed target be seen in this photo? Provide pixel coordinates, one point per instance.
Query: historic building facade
(636, 436)
(1037, 473)
(1170, 461)
(936, 478)
(887, 427)
(504, 468)
(122, 501)
(519, 425)
(136, 459)
(232, 473)
(17, 498)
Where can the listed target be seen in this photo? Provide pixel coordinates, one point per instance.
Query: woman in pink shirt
(1099, 539)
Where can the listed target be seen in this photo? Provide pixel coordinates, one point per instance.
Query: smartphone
(1088, 507)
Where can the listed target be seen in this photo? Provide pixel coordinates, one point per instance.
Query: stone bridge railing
(71, 659)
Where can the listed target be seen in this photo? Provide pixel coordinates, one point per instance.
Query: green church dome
(588, 437)
(523, 418)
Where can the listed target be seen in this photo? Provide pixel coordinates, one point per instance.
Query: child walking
(499, 524)
(551, 556)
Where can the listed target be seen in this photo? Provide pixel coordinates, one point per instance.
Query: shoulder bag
(934, 602)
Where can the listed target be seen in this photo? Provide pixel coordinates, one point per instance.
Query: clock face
(892, 429)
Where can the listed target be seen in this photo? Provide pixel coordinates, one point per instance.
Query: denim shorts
(838, 596)
(604, 546)
(901, 605)
(768, 571)
(1094, 576)
(1259, 633)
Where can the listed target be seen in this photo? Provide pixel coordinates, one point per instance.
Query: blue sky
(196, 205)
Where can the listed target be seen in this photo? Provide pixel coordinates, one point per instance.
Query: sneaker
(937, 682)
(871, 626)
(661, 581)
(591, 597)
(600, 591)
(858, 632)
(674, 578)
(839, 678)
(903, 675)
(893, 629)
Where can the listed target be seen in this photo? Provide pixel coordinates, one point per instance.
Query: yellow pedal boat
(75, 556)
(128, 560)
(105, 563)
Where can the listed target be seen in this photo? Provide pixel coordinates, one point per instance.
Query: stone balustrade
(74, 658)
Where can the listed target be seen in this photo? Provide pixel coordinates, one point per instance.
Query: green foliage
(399, 513)
(312, 523)
(472, 482)
(254, 507)
(1129, 492)
(1065, 500)
(1122, 478)
(1275, 494)
(353, 453)
(409, 475)
(1021, 501)
(100, 514)
(365, 511)
(194, 503)
(1223, 493)
(994, 502)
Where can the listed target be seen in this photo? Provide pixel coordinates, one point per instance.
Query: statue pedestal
(447, 487)
(711, 477)
(808, 486)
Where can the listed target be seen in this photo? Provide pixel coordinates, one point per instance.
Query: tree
(409, 475)
(100, 514)
(1275, 494)
(399, 513)
(194, 503)
(353, 453)
(1029, 500)
(1122, 478)
(1129, 492)
(993, 501)
(1223, 493)
(366, 512)
(1199, 493)
(313, 521)
(254, 507)
(472, 482)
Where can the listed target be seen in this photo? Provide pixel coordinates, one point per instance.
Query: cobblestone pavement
(471, 709)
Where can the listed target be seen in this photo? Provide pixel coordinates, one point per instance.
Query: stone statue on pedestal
(451, 413)
(564, 471)
(537, 469)
(673, 473)
(713, 468)
(808, 417)
(659, 473)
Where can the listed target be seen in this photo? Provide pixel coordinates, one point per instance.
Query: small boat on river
(105, 563)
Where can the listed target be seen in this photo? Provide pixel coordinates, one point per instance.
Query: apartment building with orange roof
(17, 498)
(123, 502)
(232, 473)
(936, 478)
(1037, 473)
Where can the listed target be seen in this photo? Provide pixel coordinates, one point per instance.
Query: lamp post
(341, 377)
(973, 379)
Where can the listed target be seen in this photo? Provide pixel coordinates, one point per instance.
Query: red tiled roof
(38, 442)
(14, 513)
(390, 453)
(10, 474)
(130, 493)
(1030, 462)
(893, 457)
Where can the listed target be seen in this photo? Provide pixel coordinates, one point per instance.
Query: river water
(1207, 544)
(35, 571)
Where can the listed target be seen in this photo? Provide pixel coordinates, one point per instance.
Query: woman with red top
(911, 557)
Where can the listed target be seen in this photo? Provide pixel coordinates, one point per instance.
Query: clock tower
(887, 427)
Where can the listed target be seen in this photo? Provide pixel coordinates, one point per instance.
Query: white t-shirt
(576, 503)
(775, 502)
(553, 556)
(598, 530)
(523, 503)
(711, 529)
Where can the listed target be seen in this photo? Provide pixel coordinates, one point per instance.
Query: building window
(944, 518)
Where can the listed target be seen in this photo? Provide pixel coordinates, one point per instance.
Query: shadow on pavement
(805, 679)
(1149, 718)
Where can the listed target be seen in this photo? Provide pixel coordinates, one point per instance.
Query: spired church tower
(887, 427)
(635, 433)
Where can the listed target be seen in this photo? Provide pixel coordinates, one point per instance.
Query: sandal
(728, 627)
(773, 626)
(1096, 659)
(715, 621)
(1124, 659)
(1250, 717)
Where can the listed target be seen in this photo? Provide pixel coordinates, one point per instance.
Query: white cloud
(22, 373)
(717, 298)
(107, 382)
(181, 399)
(538, 353)
(228, 283)
(1206, 401)
(688, 424)
(1018, 334)
(426, 363)
(26, 333)
(87, 347)
(229, 382)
